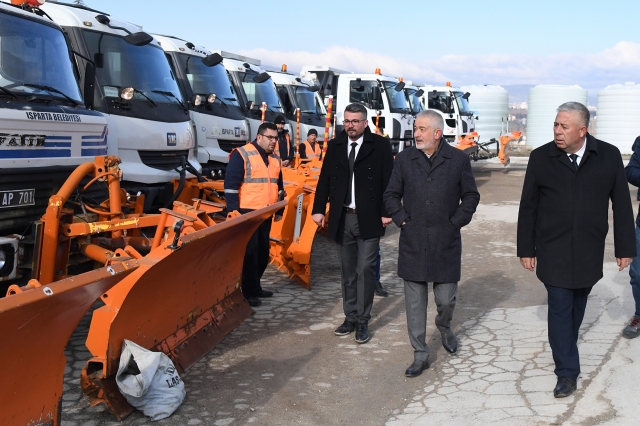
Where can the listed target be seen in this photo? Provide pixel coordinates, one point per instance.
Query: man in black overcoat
(354, 175)
(562, 226)
(431, 195)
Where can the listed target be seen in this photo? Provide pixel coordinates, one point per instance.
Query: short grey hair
(578, 108)
(436, 119)
(357, 108)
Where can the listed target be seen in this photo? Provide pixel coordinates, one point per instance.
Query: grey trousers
(358, 265)
(416, 295)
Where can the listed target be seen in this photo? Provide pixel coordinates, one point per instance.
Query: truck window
(440, 101)
(361, 92)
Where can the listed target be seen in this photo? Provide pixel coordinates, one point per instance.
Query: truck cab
(376, 92)
(452, 104)
(46, 130)
(253, 85)
(136, 89)
(414, 97)
(218, 121)
(299, 92)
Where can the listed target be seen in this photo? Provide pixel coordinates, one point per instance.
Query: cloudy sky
(591, 43)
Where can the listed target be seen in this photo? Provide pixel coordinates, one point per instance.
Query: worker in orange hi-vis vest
(284, 148)
(253, 180)
(310, 149)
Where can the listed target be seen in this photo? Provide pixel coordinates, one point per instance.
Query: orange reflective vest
(260, 185)
(310, 153)
(276, 150)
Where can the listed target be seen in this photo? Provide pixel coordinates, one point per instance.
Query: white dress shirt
(580, 153)
(353, 181)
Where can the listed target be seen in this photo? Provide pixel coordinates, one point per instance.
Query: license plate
(17, 198)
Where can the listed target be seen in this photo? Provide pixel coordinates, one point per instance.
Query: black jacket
(435, 201)
(633, 169)
(564, 215)
(372, 170)
(287, 150)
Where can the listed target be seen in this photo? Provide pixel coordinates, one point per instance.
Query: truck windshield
(397, 100)
(35, 54)
(120, 65)
(440, 101)
(308, 101)
(206, 80)
(414, 101)
(260, 92)
(463, 105)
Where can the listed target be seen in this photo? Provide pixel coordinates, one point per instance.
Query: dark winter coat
(633, 170)
(372, 169)
(434, 202)
(564, 214)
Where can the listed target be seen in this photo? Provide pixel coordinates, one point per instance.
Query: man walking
(310, 149)
(432, 194)
(252, 181)
(632, 329)
(284, 148)
(562, 226)
(354, 175)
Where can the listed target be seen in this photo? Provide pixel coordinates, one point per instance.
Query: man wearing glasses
(355, 173)
(253, 180)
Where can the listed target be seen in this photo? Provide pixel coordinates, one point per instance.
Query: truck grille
(230, 145)
(163, 160)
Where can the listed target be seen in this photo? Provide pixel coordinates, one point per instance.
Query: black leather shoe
(381, 291)
(254, 301)
(265, 293)
(416, 368)
(564, 387)
(347, 327)
(449, 342)
(362, 333)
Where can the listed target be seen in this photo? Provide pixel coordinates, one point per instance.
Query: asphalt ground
(284, 365)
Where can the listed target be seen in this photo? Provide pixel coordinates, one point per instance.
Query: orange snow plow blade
(36, 326)
(182, 300)
(506, 142)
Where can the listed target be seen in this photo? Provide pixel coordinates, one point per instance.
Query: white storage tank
(618, 115)
(544, 100)
(491, 103)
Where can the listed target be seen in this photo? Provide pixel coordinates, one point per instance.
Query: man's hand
(386, 221)
(318, 218)
(286, 163)
(623, 262)
(528, 263)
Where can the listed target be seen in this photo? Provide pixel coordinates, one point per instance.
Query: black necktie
(352, 160)
(574, 158)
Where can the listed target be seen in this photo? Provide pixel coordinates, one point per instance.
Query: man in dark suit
(632, 330)
(563, 222)
(354, 175)
(431, 195)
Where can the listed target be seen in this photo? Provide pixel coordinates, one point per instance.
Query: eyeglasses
(352, 122)
(271, 138)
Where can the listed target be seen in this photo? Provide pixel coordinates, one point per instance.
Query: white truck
(451, 103)
(414, 97)
(253, 85)
(218, 121)
(46, 130)
(375, 92)
(299, 92)
(136, 89)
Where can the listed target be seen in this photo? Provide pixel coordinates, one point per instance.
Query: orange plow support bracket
(505, 144)
(35, 326)
(179, 301)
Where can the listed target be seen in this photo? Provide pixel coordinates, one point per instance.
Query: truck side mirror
(419, 93)
(98, 58)
(89, 84)
(138, 39)
(313, 88)
(399, 86)
(466, 96)
(375, 94)
(212, 60)
(261, 78)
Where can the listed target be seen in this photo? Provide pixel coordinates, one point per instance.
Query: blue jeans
(378, 266)
(634, 274)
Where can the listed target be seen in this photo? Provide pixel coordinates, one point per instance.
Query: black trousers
(566, 311)
(256, 259)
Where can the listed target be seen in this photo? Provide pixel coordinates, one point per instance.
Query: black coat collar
(364, 151)
(592, 147)
(444, 153)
